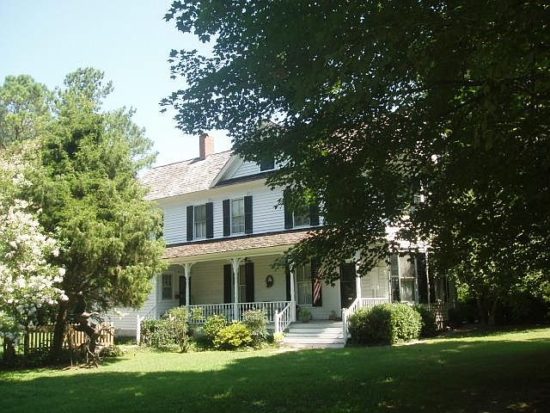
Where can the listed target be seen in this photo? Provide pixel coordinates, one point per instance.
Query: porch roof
(252, 244)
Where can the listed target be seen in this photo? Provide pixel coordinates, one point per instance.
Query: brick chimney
(206, 145)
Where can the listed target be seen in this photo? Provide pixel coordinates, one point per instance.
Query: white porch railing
(356, 305)
(201, 312)
(283, 319)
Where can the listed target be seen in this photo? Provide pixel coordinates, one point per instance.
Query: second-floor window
(301, 215)
(237, 216)
(199, 225)
(200, 221)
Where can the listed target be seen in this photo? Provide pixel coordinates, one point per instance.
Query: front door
(348, 291)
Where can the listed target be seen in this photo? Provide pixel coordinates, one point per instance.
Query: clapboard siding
(207, 282)
(175, 230)
(245, 169)
(125, 319)
(267, 215)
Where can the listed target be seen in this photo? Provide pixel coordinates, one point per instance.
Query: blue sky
(127, 39)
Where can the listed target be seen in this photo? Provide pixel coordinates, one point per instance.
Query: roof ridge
(189, 160)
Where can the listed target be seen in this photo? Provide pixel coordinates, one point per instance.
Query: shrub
(429, 326)
(233, 336)
(385, 324)
(358, 326)
(168, 333)
(112, 351)
(213, 325)
(256, 322)
(304, 314)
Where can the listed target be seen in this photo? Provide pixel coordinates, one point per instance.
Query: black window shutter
(209, 220)
(227, 283)
(316, 285)
(190, 223)
(288, 212)
(249, 280)
(248, 215)
(314, 215)
(226, 218)
(287, 281)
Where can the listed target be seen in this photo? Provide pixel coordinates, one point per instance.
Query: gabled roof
(184, 177)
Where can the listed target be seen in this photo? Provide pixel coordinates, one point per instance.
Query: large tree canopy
(24, 109)
(85, 181)
(368, 103)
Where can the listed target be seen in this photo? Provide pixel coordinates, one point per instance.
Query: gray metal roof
(184, 177)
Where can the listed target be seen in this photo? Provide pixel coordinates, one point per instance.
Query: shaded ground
(492, 373)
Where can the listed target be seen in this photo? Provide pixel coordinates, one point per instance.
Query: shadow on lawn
(491, 376)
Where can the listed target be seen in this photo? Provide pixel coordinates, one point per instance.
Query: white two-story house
(225, 229)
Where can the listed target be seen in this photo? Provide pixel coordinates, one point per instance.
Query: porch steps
(315, 334)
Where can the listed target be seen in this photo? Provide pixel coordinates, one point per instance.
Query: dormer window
(267, 164)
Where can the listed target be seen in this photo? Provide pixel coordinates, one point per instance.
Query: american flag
(317, 291)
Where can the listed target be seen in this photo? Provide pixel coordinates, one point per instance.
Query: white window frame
(166, 285)
(199, 227)
(401, 280)
(304, 293)
(234, 229)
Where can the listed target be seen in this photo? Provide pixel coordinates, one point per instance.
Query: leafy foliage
(24, 109)
(256, 322)
(385, 324)
(168, 333)
(213, 325)
(450, 104)
(429, 326)
(233, 336)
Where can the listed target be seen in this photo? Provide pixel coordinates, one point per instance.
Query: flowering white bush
(27, 281)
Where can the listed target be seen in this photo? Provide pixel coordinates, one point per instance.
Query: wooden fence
(41, 339)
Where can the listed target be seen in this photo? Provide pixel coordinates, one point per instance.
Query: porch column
(358, 290)
(187, 267)
(235, 264)
(358, 283)
(292, 293)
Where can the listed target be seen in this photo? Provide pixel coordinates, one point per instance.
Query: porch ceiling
(264, 244)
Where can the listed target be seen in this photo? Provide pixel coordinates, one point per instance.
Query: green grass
(497, 372)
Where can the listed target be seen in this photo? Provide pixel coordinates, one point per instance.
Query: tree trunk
(9, 351)
(492, 313)
(59, 331)
(481, 310)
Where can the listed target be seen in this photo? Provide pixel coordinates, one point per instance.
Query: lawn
(496, 372)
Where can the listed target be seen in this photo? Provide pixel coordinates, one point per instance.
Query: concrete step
(293, 333)
(315, 334)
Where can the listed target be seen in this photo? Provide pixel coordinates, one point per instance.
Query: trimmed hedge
(429, 326)
(385, 324)
(233, 336)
